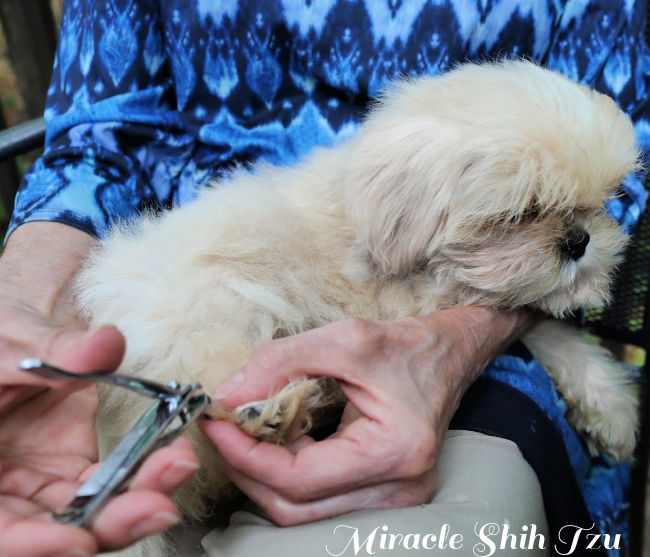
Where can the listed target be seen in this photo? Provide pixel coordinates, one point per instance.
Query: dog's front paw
(285, 416)
(610, 420)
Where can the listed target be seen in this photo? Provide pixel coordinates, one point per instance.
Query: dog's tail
(602, 395)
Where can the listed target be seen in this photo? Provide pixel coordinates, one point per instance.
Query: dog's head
(493, 178)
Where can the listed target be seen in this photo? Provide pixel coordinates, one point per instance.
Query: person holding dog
(149, 100)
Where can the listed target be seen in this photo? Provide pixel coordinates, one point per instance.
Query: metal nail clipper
(176, 408)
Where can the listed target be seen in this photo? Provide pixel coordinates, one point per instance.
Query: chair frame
(22, 138)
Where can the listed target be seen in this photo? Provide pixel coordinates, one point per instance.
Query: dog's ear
(395, 200)
(427, 184)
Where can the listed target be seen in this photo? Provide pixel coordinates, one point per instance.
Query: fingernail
(178, 471)
(229, 386)
(157, 523)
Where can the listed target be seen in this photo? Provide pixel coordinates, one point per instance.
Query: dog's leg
(602, 397)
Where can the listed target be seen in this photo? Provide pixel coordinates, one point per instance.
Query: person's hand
(47, 437)
(403, 379)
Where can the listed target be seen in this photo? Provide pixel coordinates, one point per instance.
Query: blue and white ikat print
(150, 98)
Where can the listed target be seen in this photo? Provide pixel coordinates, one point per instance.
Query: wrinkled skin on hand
(403, 380)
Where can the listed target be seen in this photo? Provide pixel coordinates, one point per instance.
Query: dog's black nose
(575, 244)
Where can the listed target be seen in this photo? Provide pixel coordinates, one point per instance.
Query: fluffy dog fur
(459, 189)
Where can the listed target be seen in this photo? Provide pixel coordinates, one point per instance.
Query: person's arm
(102, 112)
(403, 379)
(38, 251)
(114, 137)
(37, 316)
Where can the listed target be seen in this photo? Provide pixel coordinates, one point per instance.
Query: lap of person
(489, 501)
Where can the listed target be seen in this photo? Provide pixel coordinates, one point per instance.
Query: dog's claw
(283, 416)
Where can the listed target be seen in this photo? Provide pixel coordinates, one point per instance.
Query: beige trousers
(489, 503)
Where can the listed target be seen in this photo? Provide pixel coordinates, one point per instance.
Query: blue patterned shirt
(150, 99)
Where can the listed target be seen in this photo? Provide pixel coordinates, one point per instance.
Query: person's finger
(167, 468)
(56, 495)
(46, 489)
(309, 354)
(74, 350)
(22, 481)
(285, 512)
(71, 349)
(300, 443)
(350, 414)
(361, 456)
(13, 396)
(133, 516)
(43, 538)
(13, 508)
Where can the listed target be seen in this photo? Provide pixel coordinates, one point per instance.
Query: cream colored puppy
(483, 186)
